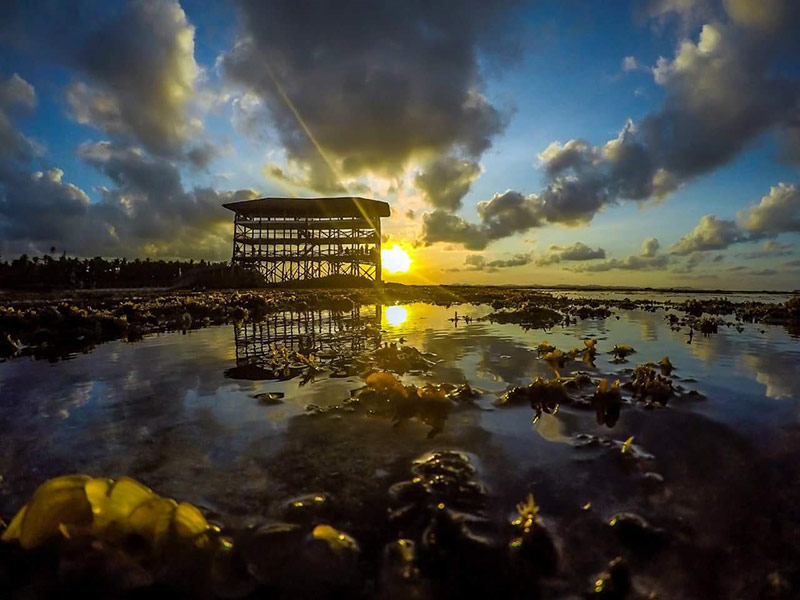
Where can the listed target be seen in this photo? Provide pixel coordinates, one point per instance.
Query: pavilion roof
(348, 206)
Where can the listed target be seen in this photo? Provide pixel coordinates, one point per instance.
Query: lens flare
(395, 259)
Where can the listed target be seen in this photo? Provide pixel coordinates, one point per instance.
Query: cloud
(478, 262)
(778, 212)
(646, 260)
(17, 97)
(446, 180)
(132, 66)
(574, 252)
(711, 233)
(365, 87)
(41, 208)
(442, 226)
(720, 93)
(629, 63)
(501, 216)
(763, 272)
(650, 247)
(146, 212)
(770, 249)
(141, 74)
(16, 93)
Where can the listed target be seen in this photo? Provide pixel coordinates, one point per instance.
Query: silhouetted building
(288, 239)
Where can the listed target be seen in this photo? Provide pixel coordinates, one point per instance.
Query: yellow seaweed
(189, 524)
(115, 510)
(60, 501)
(626, 446)
(337, 541)
(152, 521)
(383, 381)
(12, 532)
(120, 501)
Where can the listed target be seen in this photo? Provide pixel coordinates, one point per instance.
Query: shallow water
(176, 411)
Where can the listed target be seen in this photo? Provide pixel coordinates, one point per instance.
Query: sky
(646, 143)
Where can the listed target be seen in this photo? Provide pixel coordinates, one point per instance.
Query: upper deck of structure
(348, 206)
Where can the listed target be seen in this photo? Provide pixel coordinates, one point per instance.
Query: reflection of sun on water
(396, 315)
(395, 259)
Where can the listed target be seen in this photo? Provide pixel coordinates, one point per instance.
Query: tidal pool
(714, 475)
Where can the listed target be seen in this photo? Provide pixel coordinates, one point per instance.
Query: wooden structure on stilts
(291, 239)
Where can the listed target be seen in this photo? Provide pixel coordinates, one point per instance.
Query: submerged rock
(269, 398)
(533, 547)
(636, 532)
(442, 505)
(317, 561)
(400, 577)
(614, 583)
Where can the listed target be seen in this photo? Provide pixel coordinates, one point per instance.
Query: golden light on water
(396, 315)
(395, 259)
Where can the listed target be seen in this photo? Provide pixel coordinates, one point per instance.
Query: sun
(395, 259)
(396, 315)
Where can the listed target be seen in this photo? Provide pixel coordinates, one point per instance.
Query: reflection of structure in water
(324, 333)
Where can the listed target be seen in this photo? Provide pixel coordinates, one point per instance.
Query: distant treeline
(48, 272)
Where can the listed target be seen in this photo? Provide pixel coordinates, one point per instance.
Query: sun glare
(395, 259)
(396, 315)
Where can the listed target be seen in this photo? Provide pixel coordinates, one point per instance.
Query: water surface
(177, 412)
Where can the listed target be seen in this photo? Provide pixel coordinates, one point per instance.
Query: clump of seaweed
(648, 386)
(621, 351)
(544, 347)
(384, 395)
(707, 326)
(544, 395)
(666, 366)
(528, 315)
(607, 403)
(398, 359)
(129, 526)
(556, 359)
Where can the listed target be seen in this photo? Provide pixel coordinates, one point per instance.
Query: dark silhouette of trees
(47, 272)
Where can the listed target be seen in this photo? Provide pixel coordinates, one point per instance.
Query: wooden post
(378, 265)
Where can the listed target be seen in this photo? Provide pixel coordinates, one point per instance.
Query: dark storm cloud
(148, 207)
(503, 215)
(133, 69)
(442, 226)
(446, 180)
(141, 73)
(720, 93)
(574, 252)
(374, 82)
(134, 77)
(147, 212)
(17, 97)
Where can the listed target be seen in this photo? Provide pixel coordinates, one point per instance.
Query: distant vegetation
(50, 273)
